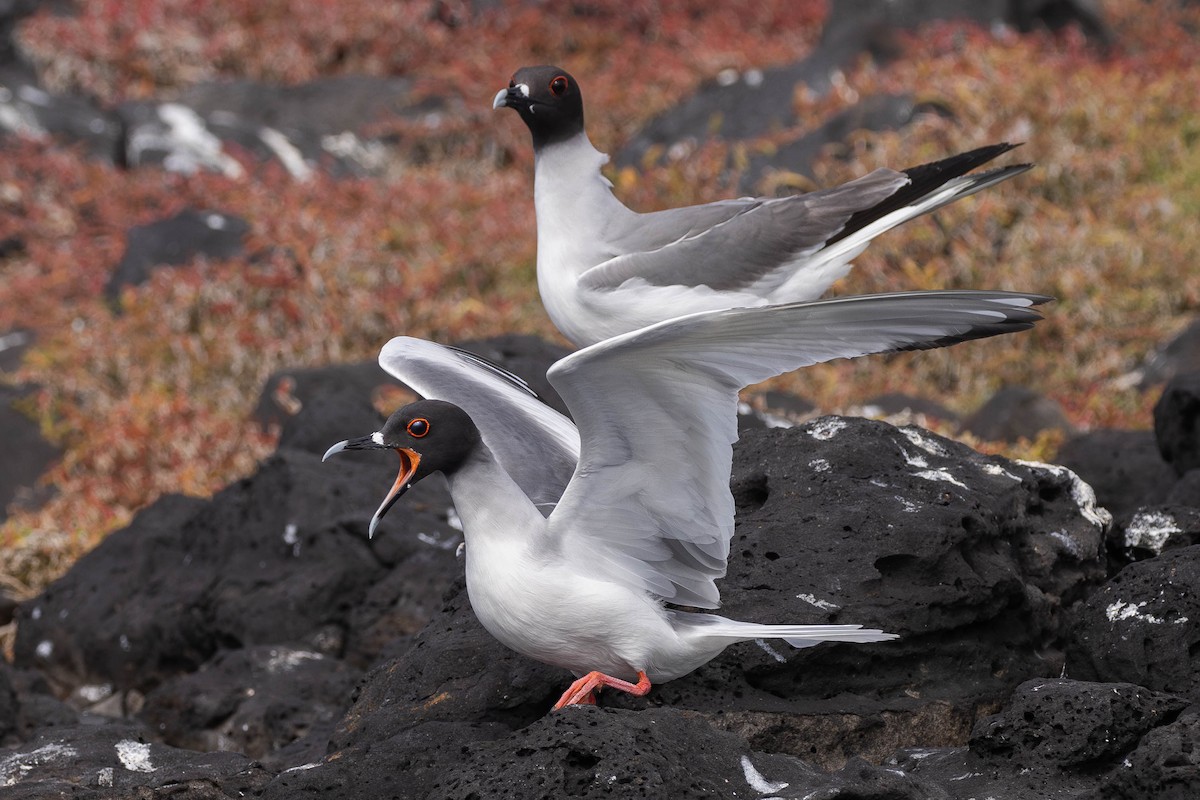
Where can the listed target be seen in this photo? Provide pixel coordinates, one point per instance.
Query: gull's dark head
(548, 100)
(429, 436)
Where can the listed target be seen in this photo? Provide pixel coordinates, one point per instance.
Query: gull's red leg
(582, 691)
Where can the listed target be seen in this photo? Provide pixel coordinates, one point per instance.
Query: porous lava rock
(1177, 423)
(1069, 723)
(1015, 413)
(281, 557)
(1141, 626)
(1124, 468)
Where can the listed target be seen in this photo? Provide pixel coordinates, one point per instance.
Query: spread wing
(535, 444)
(649, 504)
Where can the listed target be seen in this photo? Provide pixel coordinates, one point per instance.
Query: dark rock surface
(1151, 530)
(1068, 723)
(20, 434)
(13, 345)
(894, 403)
(244, 622)
(744, 105)
(322, 124)
(176, 240)
(1179, 356)
(281, 557)
(1015, 413)
(877, 113)
(29, 111)
(1124, 468)
(1141, 627)
(1177, 422)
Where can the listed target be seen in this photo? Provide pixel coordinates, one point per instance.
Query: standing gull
(645, 522)
(604, 269)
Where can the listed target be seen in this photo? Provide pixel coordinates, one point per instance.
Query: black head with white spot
(548, 100)
(429, 436)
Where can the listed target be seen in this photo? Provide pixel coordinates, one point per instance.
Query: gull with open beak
(590, 576)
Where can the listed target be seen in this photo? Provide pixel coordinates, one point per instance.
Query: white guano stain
(288, 660)
(15, 767)
(999, 471)
(134, 756)
(824, 605)
(826, 428)
(757, 781)
(1082, 494)
(819, 465)
(939, 475)
(1122, 610)
(918, 438)
(771, 651)
(1150, 530)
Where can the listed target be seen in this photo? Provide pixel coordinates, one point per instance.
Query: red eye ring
(559, 85)
(418, 428)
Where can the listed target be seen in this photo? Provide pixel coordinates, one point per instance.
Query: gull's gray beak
(409, 461)
(501, 99)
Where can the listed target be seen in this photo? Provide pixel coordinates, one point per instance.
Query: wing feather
(656, 410)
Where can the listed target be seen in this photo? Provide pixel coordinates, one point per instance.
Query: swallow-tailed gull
(604, 269)
(645, 522)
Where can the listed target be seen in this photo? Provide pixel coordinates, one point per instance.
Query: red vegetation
(156, 400)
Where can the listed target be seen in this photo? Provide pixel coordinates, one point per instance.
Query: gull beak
(409, 461)
(515, 97)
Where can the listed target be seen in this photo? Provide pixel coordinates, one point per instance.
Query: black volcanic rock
(322, 124)
(100, 761)
(173, 241)
(1151, 530)
(745, 105)
(1179, 356)
(1070, 723)
(1141, 627)
(1060, 738)
(1014, 413)
(1186, 491)
(1177, 423)
(1165, 765)
(254, 700)
(28, 110)
(971, 559)
(1124, 468)
(893, 403)
(841, 520)
(20, 434)
(281, 557)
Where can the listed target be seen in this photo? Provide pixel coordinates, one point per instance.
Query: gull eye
(558, 86)
(418, 428)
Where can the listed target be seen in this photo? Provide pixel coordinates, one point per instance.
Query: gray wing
(535, 444)
(752, 240)
(649, 504)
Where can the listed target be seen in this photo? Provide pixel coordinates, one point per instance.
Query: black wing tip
(511, 377)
